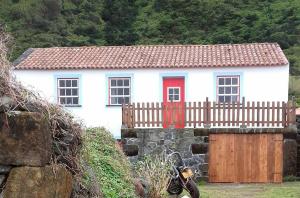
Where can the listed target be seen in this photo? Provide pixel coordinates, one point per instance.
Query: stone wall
(193, 144)
(25, 155)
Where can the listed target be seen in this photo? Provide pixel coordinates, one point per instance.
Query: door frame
(172, 75)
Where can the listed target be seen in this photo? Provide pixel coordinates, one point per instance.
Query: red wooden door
(173, 102)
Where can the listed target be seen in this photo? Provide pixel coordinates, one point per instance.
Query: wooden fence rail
(207, 113)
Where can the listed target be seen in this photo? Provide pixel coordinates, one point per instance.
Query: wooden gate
(245, 158)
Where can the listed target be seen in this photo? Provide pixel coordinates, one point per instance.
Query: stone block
(161, 142)
(298, 139)
(205, 139)
(4, 169)
(199, 148)
(203, 167)
(155, 135)
(2, 178)
(128, 133)
(290, 135)
(38, 182)
(188, 133)
(25, 139)
(201, 132)
(131, 150)
(206, 158)
(289, 157)
(151, 145)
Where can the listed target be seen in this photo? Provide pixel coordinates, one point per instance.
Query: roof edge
(23, 56)
(154, 45)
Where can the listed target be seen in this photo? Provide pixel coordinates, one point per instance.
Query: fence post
(124, 116)
(243, 113)
(293, 113)
(133, 115)
(207, 113)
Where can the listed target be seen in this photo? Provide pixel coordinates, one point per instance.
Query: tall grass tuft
(155, 171)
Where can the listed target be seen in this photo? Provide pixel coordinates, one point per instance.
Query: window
(68, 91)
(228, 88)
(173, 94)
(119, 91)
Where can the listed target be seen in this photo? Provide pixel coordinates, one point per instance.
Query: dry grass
(155, 171)
(66, 132)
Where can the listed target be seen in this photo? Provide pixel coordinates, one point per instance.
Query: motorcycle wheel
(174, 187)
(193, 189)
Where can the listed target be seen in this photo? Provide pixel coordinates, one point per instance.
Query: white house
(93, 82)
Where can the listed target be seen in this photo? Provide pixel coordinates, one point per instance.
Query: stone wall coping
(132, 132)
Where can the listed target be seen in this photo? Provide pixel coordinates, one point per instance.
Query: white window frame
(179, 91)
(68, 88)
(110, 96)
(231, 94)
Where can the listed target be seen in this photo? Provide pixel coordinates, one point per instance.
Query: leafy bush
(108, 164)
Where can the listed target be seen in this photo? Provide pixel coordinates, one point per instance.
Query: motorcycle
(181, 177)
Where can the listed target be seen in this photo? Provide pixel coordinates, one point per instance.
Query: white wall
(257, 84)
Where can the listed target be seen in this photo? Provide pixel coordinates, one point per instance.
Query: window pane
(228, 81)
(228, 90)
(234, 98)
(113, 83)
(126, 91)
(126, 100)
(126, 82)
(227, 98)
(221, 81)
(68, 83)
(69, 100)
(170, 97)
(62, 83)
(120, 91)
(120, 82)
(176, 91)
(74, 92)
(221, 98)
(114, 100)
(75, 100)
(62, 92)
(68, 92)
(170, 90)
(234, 81)
(176, 97)
(74, 83)
(114, 91)
(120, 100)
(234, 90)
(221, 90)
(62, 100)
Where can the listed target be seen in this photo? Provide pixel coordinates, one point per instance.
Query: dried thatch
(66, 133)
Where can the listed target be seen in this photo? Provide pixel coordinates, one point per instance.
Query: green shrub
(291, 178)
(108, 163)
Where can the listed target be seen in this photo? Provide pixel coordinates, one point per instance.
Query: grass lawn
(287, 189)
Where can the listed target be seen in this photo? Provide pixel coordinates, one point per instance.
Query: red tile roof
(153, 56)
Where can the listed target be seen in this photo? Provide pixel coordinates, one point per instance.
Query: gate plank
(245, 158)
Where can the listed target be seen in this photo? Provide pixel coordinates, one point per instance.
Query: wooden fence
(200, 114)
